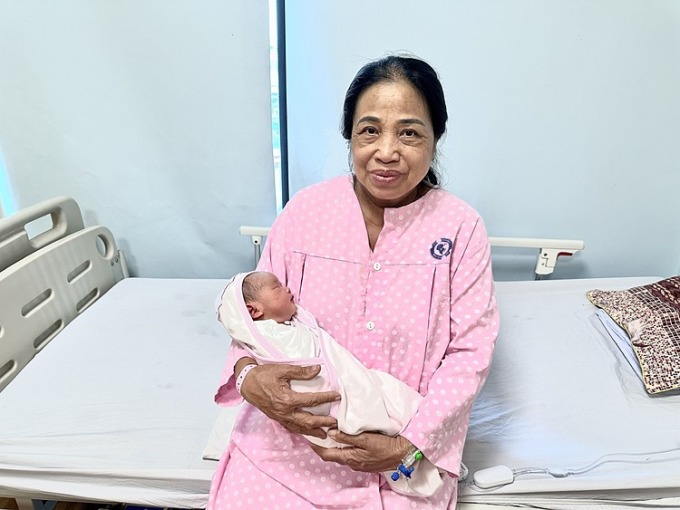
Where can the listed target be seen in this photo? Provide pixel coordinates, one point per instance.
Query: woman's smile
(385, 176)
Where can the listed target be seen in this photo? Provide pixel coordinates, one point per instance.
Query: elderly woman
(398, 271)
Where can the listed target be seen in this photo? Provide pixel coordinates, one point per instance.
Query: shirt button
(377, 266)
(370, 326)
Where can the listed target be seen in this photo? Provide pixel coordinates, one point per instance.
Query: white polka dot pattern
(420, 306)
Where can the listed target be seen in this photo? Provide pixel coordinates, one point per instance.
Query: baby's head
(266, 298)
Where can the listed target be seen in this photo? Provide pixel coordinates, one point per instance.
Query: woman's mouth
(385, 176)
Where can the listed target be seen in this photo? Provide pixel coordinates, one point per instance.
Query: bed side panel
(46, 290)
(15, 240)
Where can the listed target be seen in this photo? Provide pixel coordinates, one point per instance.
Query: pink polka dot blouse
(420, 305)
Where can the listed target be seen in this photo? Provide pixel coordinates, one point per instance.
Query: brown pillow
(650, 315)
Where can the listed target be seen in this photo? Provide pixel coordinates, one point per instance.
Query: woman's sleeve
(439, 427)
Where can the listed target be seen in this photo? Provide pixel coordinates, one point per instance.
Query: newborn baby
(261, 315)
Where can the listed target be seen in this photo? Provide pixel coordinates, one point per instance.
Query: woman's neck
(373, 211)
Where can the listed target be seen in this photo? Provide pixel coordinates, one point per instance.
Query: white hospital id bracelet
(242, 375)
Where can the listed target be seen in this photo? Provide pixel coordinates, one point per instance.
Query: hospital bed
(107, 383)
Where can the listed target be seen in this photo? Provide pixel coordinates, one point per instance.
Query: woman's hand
(370, 452)
(267, 387)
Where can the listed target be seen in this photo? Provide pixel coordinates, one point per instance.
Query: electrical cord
(499, 476)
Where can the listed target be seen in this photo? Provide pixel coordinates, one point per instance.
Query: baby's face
(277, 300)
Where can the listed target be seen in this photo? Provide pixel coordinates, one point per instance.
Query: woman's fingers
(267, 387)
(314, 399)
(355, 458)
(369, 451)
(293, 399)
(341, 437)
(299, 372)
(302, 422)
(339, 455)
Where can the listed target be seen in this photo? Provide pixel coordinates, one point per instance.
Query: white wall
(153, 114)
(564, 115)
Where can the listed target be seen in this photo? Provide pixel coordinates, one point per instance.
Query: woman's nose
(387, 148)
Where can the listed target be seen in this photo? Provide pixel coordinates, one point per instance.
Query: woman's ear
(255, 310)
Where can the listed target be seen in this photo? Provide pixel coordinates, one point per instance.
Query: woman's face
(392, 143)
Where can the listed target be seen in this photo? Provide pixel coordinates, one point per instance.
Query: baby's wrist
(243, 374)
(241, 370)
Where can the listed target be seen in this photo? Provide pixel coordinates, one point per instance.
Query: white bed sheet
(561, 395)
(119, 406)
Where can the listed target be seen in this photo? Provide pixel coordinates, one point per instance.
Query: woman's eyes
(372, 131)
(368, 130)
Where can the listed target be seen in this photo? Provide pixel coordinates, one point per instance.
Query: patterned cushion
(650, 315)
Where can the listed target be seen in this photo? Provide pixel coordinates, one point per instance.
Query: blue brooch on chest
(441, 248)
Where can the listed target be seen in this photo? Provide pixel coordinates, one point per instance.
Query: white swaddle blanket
(371, 400)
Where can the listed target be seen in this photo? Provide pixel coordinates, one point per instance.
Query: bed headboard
(46, 280)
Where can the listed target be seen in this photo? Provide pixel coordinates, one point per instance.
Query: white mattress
(562, 395)
(119, 406)
(104, 414)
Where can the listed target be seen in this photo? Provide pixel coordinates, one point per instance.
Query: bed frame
(114, 398)
(48, 278)
(549, 250)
